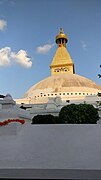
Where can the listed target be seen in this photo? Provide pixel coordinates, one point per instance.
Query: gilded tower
(62, 62)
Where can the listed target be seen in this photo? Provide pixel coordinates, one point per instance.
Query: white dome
(63, 83)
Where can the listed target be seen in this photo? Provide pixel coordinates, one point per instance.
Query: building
(62, 87)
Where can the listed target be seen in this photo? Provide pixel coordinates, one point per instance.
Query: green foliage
(45, 119)
(79, 114)
(70, 114)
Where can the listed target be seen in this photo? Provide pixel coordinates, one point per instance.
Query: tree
(79, 114)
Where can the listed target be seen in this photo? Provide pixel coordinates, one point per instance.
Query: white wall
(53, 147)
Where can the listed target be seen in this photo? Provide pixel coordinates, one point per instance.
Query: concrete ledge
(50, 174)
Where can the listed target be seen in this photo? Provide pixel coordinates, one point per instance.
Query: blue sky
(27, 40)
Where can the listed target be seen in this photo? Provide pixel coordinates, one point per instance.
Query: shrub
(79, 114)
(45, 119)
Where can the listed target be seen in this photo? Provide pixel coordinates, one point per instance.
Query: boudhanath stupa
(62, 87)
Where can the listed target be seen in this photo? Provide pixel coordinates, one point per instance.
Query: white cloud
(84, 46)
(22, 58)
(44, 49)
(7, 57)
(3, 24)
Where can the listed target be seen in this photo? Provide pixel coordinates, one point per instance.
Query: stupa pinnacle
(62, 62)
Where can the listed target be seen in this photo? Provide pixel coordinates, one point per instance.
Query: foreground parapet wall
(37, 148)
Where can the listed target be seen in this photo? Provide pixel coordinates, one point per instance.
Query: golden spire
(62, 62)
(61, 38)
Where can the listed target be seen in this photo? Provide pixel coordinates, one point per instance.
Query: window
(68, 101)
(67, 93)
(79, 93)
(71, 93)
(75, 93)
(63, 93)
(99, 94)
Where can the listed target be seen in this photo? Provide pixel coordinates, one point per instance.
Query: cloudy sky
(27, 40)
